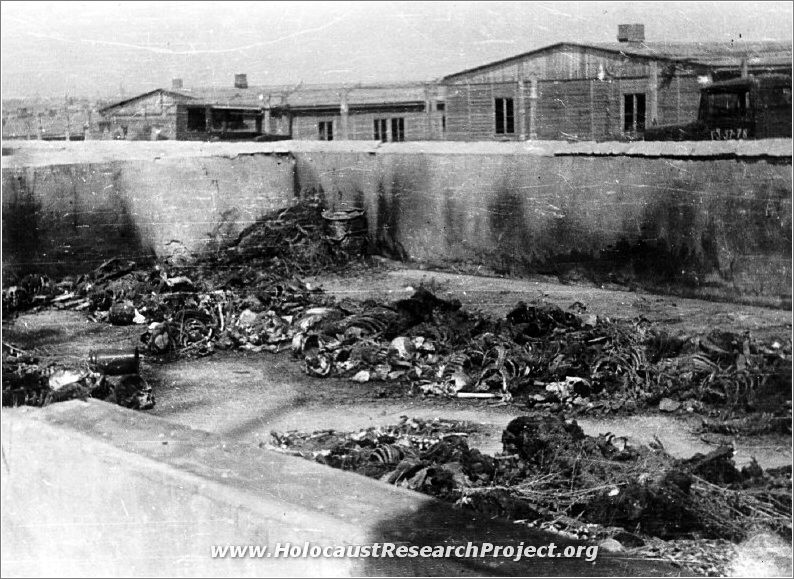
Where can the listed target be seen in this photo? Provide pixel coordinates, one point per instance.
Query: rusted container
(121, 314)
(347, 229)
(114, 362)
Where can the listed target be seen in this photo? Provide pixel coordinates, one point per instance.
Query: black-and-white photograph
(396, 289)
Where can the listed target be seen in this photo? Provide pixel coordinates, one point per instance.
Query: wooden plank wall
(141, 115)
(470, 111)
(457, 105)
(583, 109)
(306, 127)
(679, 100)
(140, 128)
(361, 125)
(574, 109)
(572, 102)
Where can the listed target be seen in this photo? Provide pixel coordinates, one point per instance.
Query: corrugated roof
(710, 54)
(140, 96)
(765, 53)
(306, 96)
(363, 96)
(309, 96)
(223, 96)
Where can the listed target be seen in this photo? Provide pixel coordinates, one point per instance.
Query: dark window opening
(398, 129)
(234, 121)
(196, 120)
(217, 120)
(381, 132)
(505, 120)
(779, 98)
(326, 129)
(634, 113)
(440, 106)
(731, 104)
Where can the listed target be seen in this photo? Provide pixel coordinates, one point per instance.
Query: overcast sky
(96, 48)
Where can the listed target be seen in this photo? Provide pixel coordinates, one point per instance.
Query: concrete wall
(710, 219)
(94, 490)
(712, 223)
(69, 216)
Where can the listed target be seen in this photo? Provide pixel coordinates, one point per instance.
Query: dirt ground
(245, 396)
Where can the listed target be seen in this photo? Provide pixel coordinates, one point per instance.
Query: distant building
(597, 91)
(46, 121)
(410, 112)
(386, 113)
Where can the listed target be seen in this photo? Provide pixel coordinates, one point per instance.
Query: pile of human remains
(30, 382)
(248, 296)
(552, 476)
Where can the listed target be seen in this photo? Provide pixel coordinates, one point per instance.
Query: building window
(196, 120)
(728, 104)
(634, 113)
(398, 129)
(233, 121)
(381, 133)
(326, 130)
(505, 124)
(381, 129)
(440, 107)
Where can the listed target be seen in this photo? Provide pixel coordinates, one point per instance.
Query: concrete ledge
(44, 153)
(91, 489)
(778, 148)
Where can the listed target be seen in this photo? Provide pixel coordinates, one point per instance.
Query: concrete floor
(498, 295)
(245, 396)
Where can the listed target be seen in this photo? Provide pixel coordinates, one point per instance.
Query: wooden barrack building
(608, 91)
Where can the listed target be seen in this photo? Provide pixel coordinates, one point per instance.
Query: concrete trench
(243, 396)
(231, 402)
(144, 479)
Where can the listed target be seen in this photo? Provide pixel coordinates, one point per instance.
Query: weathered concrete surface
(244, 396)
(48, 153)
(69, 217)
(91, 489)
(704, 219)
(712, 223)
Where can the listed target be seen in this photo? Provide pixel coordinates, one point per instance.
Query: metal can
(114, 362)
(121, 314)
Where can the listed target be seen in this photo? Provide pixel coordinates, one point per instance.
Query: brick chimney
(176, 83)
(240, 81)
(631, 33)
